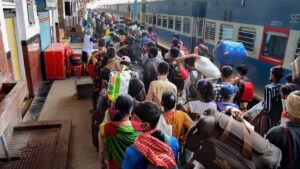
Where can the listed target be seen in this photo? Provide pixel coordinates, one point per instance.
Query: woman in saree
(116, 134)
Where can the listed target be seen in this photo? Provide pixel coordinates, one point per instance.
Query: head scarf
(293, 104)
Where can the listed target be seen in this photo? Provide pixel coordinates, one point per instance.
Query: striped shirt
(271, 91)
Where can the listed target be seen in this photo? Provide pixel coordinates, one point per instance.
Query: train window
(226, 32)
(178, 24)
(187, 25)
(210, 31)
(170, 22)
(146, 18)
(164, 21)
(247, 37)
(150, 19)
(274, 45)
(297, 49)
(158, 20)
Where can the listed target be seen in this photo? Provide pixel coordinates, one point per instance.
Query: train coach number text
(295, 18)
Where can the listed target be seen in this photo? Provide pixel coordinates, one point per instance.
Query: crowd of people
(133, 130)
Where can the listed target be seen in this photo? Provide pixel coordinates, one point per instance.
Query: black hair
(168, 100)
(190, 62)
(205, 90)
(136, 89)
(111, 52)
(226, 71)
(112, 35)
(200, 41)
(278, 72)
(163, 68)
(243, 69)
(116, 39)
(111, 29)
(101, 43)
(289, 88)
(148, 112)
(150, 29)
(105, 73)
(174, 52)
(175, 43)
(153, 51)
(289, 78)
(123, 106)
(121, 31)
(151, 44)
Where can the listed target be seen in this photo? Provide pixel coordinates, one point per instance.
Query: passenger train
(269, 30)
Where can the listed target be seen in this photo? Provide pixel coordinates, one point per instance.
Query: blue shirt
(221, 106)
(133, 159)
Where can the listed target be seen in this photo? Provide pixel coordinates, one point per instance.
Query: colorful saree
(116, 139)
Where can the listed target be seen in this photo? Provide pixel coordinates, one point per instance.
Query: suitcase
(230, 53)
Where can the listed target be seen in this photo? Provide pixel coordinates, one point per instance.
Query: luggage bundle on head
(207, 68)
(296, 71)
(230, 53)
(223, 142)
(118, 84)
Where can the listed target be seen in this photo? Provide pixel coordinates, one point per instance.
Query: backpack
(175, 76)
(193, 87)
(246, 91)
(223, 142)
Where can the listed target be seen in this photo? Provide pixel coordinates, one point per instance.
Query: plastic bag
(207, 68)
(163, 126)
(118, 84)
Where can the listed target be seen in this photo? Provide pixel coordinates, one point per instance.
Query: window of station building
(139, 16)
(178, 24)
(158, 20)
(170, 22)
(274, 45)
(164, 21)
(210, 31)
(150, 19)
(147, 18)
(154, 19)
(187, 25)
(247, 37)
(226, 32)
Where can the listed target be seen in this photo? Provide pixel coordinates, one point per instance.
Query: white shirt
(198, 106)
(87, 44)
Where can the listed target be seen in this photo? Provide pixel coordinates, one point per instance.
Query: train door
(12, 42)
